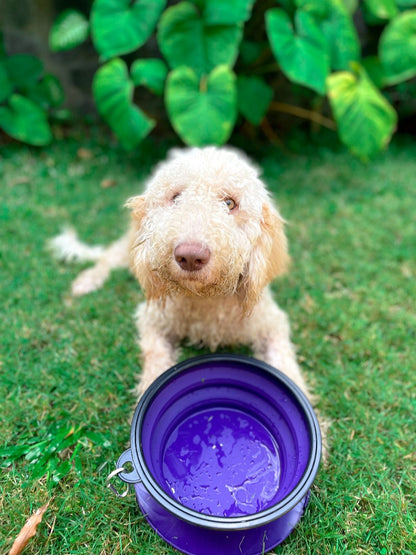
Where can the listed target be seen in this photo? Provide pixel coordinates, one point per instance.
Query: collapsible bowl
(224, 449)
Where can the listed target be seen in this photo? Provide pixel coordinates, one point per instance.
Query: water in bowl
(222, 462)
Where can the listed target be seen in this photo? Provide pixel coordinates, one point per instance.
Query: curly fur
(213, 199)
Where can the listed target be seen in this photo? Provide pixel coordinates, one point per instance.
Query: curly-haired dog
(204, 244)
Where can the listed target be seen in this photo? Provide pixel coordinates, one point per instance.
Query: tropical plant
(27, 96)
(213, 69)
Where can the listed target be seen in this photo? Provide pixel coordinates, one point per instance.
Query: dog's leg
(158, 351)
(272, 343)
(274, 347)
(69, 248)
(280, 353)
(114, 256)
(158, 354)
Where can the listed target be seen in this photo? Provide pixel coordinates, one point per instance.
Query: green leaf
(48, 92)
(350, 5)
(289, 6)
(150, 73)
(381, 9)
(405, 4)
(70, 29)
(44, 456)
(254, 97)
(122, 26)
(301, 52)
(202, 111)
(366, 121)
(24, 70)
(23, 120)
(6, 87)
(218, 12)
(185, 39)
(374, 70)
(113, 93)
(250, 50)
(332, 17)
(10, 454)
(54, 92)
(397, 48)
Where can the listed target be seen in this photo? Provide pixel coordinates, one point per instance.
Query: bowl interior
(225, 437)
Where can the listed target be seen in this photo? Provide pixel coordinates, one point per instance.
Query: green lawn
(67, 366)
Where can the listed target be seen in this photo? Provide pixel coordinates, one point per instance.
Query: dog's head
(206, 226)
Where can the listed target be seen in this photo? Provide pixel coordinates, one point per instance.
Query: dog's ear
(269, 258)
(273, 243)
(153, 286)
(151, 283)
(137, 207)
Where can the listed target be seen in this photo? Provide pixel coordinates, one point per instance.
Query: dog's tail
(69, 248)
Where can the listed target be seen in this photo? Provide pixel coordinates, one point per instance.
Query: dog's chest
(210, 322)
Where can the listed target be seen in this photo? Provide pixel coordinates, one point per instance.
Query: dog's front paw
(87, 281)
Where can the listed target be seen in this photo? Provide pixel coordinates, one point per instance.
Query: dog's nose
(192, 256)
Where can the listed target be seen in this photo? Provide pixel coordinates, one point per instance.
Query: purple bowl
(224, 450)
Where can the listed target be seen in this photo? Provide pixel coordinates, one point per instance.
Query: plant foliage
(300, 49)
(213, 75)
(398, 48)
(52, 455)
(211, 101)
(121, 26)
(70, 29)
(113, 91)
(27, 96)
(365, 117)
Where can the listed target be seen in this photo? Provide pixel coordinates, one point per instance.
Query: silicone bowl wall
(228, 383)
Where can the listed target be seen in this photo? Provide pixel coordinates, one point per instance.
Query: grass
(69, 364)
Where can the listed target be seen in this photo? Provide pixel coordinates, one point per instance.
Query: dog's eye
(230, 203)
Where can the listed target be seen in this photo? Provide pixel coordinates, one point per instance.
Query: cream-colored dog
(204, 244)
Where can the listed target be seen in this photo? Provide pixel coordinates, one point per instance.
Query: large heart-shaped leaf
(397, 48)
(333, 19)
(121, 26)
(301, 52)
(202, 111)
(150, 73)
(218, 12)
(254, 97)
(113, 93)
(366, 121)
(185, 39)
(23, 120)
(70, 29)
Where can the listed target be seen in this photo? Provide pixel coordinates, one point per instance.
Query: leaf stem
(303, 113)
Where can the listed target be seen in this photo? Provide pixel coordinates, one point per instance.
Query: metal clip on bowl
(121, 473)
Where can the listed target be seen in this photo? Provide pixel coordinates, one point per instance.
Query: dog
(204, 243)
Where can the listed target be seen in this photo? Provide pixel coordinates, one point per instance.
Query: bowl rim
(220, 522)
